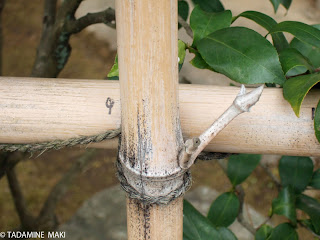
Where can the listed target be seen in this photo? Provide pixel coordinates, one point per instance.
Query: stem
(304, 226)
(2, 3)
(186, 26)
(242, 103)
(241, 218)
(27, 221)
(47, 214)
(271, 175)
(107, 16)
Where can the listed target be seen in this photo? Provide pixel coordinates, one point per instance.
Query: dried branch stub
(242, 103)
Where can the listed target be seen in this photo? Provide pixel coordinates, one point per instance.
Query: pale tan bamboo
(35, 110)
(151, 135)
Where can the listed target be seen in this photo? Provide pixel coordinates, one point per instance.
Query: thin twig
(313, 233)
(186, 26)
(26, 219)
(58, 191)
(271, 175)
(2, 3)
(241, 218)
(8, 161)
(265, 221)
(242, 103)
(107, 16)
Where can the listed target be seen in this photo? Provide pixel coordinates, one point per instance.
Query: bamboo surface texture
(36, 110)
(151, 135)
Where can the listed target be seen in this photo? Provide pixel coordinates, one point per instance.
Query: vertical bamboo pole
(151, 134)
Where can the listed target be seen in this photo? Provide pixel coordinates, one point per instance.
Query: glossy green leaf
(209, 5)
(309, 225)
(183, 10)
(310, 206)
(285, 3)
(275, 4)
(317, 122)
(114, 72)
(241, 166)
(203, 23)
(181, 53)
(224, 210)
(295, 172)
(315, 180)
(226, 234)
(309, 51)
(263, 232)
(196, 226)
(267, 22)
(291, 58)
(295, 89)
(284, 204)
(301, 31)
(284, 231)
(199, 62)
(242, 55)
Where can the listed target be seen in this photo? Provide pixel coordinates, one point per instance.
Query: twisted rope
(132, 192)
(146, 199)
(58, 144)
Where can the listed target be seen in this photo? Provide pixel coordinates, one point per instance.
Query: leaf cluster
(296, 174)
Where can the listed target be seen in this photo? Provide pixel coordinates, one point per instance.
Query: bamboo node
(153, 190)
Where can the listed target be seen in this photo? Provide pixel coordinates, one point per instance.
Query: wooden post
(151, 135)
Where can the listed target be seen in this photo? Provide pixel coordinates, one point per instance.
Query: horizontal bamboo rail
(35, 110)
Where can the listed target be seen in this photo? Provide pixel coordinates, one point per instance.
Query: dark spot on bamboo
(313, 110)
(109, 104)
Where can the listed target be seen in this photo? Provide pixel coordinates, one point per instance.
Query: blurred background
(93, 53)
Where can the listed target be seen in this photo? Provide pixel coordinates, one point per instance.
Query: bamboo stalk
(37, 110)
(151, 135)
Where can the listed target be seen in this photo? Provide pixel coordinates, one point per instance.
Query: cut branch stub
(242, 103)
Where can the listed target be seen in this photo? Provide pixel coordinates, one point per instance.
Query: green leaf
(315, 180)
(295, 172)
(181, 53)
(114, 72)
(301, 31)
(267, 22)
(243, 55)
(224, 210)
(308, 224)
(284, 231)
(199, 62)
(295, 89)
(209, 5)
(183, 10)
(226, 234)
(196, 226)
(291, 58)
(263, 232)
(203, 23)
(241, 166)
(276, 3)
(286, 3)
(317, 121)
(285, 204)
(312, 207)
(310, 52)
